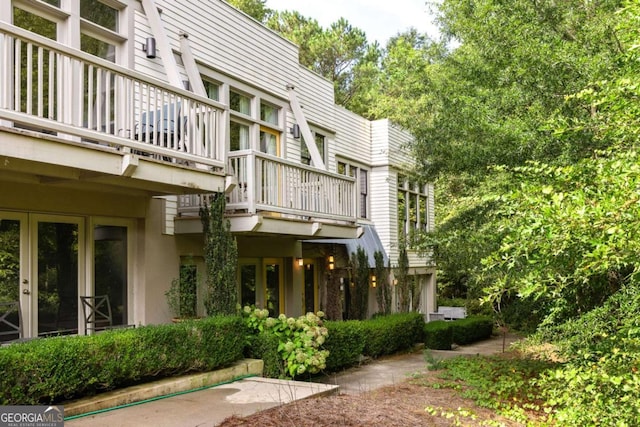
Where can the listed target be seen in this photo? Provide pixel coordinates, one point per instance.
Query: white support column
(309, 140)
(162, 41)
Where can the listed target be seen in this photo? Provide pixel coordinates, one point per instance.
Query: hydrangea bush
(300, 339)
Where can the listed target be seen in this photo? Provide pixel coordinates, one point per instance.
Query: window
(305, 157)
(269, 113)
(239, 136)
(413, 209)
(269, 141)
(362, 181)
(212, 89)
(34, 23)
(99, 13)
(240, 103)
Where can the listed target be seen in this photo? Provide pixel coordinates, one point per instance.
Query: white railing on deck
(46, 86)
(272, 184)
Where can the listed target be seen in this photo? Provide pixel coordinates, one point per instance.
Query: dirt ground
(410, 403)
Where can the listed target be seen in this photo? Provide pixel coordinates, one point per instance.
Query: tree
(360, 291)
(257, 9)
(402, 276)
(221, 258)
(340, 53)
(383, 291)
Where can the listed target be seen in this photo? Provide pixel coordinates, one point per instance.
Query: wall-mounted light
(150, 47)
(395, 282)
(300, 262)
(332, 265)
(373, 281)
(295, 131)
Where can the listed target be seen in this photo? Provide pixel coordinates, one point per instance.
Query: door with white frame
(41, 266)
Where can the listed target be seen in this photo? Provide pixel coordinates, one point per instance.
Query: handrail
(84, 98)
(270, 183)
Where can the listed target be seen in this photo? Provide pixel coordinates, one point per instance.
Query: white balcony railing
(51, 88)
(271, 184)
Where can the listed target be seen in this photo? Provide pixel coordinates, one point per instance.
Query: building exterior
(117, 116)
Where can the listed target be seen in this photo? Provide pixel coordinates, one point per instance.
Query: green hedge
(440, 335)
(392, 333)
(350, 339)
(265, 346)
(52, 370)
(345, 343)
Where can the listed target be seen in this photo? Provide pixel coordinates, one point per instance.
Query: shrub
(56, 369)
(345, 343)
(299, 340)
(438, 335)
(391, 333)
(472, 329)
(264, 345)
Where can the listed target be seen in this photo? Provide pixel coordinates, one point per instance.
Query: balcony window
(362, 180)
(269, 142)
(99, 13)
(269, 113)
(212, 89)
(98, 48)
(240, 103)
(239, 136)
(305, 157)
(34, 23)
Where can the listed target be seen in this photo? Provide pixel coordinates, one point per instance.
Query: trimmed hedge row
(264, 346)
(350, 339)
(440, 335)
(56, 369)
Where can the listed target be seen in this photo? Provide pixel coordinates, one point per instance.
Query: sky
(379, 19)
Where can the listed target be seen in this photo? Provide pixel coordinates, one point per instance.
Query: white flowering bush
(300, 339)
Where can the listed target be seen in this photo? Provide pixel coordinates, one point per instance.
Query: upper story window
(413, 209)
(212, 89)
(100, 14)
(99, 23)
(305, 157)
(362, 180)
(240, 103)
(269, 113)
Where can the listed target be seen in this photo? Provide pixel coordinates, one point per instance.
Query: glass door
(310, 287)
(13, 268)
(274, 293)
(56, 246)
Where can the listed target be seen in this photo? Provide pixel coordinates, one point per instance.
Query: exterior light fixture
(300, 262)
(332, 264)
(295, 131)
(150, 47)
(373, 281)
(395, 282)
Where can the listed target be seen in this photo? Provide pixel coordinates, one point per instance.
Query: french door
(40, 266)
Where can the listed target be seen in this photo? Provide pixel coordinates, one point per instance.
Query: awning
(369, 241)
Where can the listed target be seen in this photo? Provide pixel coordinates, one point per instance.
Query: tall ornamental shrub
(360, 290)
(220, 256)
(383, 291)
(402, 275)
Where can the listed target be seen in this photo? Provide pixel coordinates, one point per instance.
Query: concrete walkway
(211, 405)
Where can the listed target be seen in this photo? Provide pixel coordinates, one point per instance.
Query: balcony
(273, 195)
(75, 117)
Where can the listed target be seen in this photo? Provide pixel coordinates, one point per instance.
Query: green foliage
(507, 385)
(402, 276)
(438, 335)
(383, 290)
(264, 345)
(340, 53)
(182, 296)
(360, 291)
(392, 333)
(441, 334)
(56, 369)
(256, 9)
(221, 258)
(345, 343)
(299, 341)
